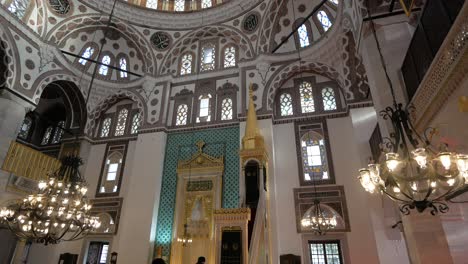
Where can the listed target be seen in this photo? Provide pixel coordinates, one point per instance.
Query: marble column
(426, 239)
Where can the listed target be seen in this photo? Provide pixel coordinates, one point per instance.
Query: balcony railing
(434, 24)
(23, 161)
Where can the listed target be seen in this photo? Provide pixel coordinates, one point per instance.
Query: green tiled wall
(181, 146)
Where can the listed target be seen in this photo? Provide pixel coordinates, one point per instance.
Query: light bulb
(365, 179)
(445, 159)
(60, 184)
(396, 189)
(420, 156)
(450, 182)
(42, 185)
(462, 163)
(65, 201)
(433, 184)
(392, 161)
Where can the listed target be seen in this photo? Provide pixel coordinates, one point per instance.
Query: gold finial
(463, 104)
(200, 144)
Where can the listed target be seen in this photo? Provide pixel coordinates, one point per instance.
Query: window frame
(227, 90)
(309, 33)
(116, 120)
(319, 25)
(185, 96)
(27, 11)
(92, 57)
(119, 146)
(323, 243)
(236, 56)
(216, 59)
(101, 124)
(110, 71)
(192, 64)
(127, 60)
(203, 88)
(320, 127)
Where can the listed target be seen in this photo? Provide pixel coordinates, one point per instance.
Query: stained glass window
(325, 252)
(307, 99)
(58, 132)
(208, 57)
(47, 135)
(226, 109)
(329, 101)
(123, 67)
(179, 5)
(18, 8)
(286, 106)
(86, 54)
(186, 64)
(314, 158)
(205, 113)
(121, 122)
(324, 20)
(136, 121)
(229, 57)
(24, 129)
(103, 70)
(105, 129)
(181, 117)
(205, 3)
(152, 4)
(303, 36)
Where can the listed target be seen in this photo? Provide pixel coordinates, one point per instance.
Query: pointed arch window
(303, 35)
(179, 5)
(186, 64)
(329, 100)
(152, 4)
(182, 113)
(47, 135)
(314, 157)
(86, 54)
(25, 127)
(204, 114)
(324, 20)
(286, 107)
(121, 122)
(208, 57)
(58, 132)
(226, 109)
(206, 3)
(104, 69)
(123, 67)
(307, 99)
(18, 8)
(229, 57)
(136, 121)
(105, 128)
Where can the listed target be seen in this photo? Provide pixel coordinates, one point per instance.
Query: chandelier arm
(394, 197)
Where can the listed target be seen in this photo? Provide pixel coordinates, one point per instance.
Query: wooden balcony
(25, 162)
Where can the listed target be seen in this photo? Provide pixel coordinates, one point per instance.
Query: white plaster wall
(139, 213)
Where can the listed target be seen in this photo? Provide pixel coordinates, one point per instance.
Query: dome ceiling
(177, 5)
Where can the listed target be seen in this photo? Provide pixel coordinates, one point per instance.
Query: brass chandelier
(59, 211)
(411, 170)
(318, 219)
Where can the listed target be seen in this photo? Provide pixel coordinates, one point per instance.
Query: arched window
(226, 109)
(86, 54)
(206, 3)
(152, 4)
(47, 135)
(58, 132)
(181, 117)
(186, 64)
(25, 127)
(18, 8)
(314, 157)
(286, 107)
(303, 35)
(110, 179)
(307, 99)
(105, 128)
(229, 57)
(121, 122)
(208, 57)
(123, 67)
(324, 20)
(106, 60)
(329, 100)
(179, 5)
(136, 121)
(204, 114)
